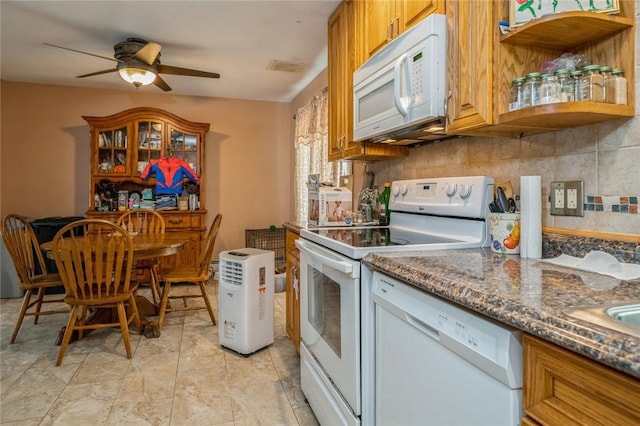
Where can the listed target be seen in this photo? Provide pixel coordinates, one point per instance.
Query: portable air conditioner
(245, 299)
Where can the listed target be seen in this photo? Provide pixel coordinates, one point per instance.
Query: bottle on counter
(384, 198)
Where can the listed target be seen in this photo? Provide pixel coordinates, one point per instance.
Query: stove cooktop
(426, 214)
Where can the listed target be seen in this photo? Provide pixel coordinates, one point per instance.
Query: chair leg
(166, 289)
(124, 327)
(203, 290)
(155, 284)
(73, 318)
(38, 305)
(23, 309)
(135, 313)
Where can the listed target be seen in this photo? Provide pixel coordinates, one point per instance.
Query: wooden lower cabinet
(564, 388)
(189, 224)
(293, 289)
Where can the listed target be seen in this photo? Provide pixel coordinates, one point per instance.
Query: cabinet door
(342, 64)
(469, 64)
(413, 11)
(293, 290)
(113, 153)
(150, 137)
(379, 24)
(186, 147)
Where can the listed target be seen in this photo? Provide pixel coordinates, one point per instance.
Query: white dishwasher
(439, 364)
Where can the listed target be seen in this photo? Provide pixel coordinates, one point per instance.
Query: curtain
(311, 151)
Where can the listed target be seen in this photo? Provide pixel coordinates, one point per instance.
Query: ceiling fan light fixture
(137, 76)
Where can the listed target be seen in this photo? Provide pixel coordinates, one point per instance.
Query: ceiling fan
(138, 62)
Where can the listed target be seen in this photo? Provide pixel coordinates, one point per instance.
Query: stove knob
(395, 191)
(465, 191)
(403, 190)
(450, 189)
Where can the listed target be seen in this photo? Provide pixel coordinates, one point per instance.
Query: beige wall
(45, 153)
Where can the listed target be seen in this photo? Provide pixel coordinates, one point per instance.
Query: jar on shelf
(591, 84)
(567, 85)
(549, 89)
(577, 76)
(516, 94)
(619, 84)
(606, 81)
(531, 90)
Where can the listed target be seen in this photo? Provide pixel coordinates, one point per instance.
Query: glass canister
(531, 90)
(567, 85)
(619, 83)
(606, 81)
(549, 89)
(591, 84)
(516, 94)
(576, 76)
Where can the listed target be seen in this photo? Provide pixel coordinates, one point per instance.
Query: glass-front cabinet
(123, 145)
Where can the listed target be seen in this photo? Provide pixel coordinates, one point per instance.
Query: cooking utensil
(503, 201)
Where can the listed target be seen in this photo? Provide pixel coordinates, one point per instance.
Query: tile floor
(184, 377)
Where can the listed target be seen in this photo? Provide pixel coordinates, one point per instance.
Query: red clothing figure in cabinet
(170, 172)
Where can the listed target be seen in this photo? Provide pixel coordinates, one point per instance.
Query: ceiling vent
(286, 66)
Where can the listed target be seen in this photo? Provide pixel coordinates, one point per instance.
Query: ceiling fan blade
(80, 51)
(148, 53)
(97, 73)
(159, 82)
(168, 69)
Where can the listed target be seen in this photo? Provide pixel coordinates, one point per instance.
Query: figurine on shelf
(170, 172)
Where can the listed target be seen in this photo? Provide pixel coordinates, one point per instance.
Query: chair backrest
(205, 256)
(23, 247)
(96, 263)
(142, 222)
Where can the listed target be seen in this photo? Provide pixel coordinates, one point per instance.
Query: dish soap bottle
(385, 195)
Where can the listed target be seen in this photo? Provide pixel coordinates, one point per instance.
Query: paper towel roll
(531, 217)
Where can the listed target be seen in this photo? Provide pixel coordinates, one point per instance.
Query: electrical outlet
(557, 198)
(572, 198)
(566, 198)
(575, 198)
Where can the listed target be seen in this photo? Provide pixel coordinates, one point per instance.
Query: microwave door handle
(397, 68)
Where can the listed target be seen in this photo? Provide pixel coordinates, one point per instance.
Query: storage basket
(268, 239)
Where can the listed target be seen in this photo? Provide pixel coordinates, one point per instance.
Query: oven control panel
(467, 196)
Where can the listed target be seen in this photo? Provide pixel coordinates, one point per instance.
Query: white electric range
(426, 214)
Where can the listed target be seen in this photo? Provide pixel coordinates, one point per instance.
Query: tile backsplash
(605, 156)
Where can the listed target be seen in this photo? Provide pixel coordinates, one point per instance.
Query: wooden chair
(198, 275)
(96, 271)
(145, 222)
(23, 247)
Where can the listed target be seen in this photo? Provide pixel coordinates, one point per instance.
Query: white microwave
(399, 94)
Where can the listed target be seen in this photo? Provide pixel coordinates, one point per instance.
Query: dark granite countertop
(527, 294)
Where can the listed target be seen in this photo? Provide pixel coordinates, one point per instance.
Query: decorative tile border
(612, 203)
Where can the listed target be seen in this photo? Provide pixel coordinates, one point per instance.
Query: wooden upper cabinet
(387, 19)
(469, 56)
(345, 56)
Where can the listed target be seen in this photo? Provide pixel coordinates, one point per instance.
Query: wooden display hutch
(123, 144)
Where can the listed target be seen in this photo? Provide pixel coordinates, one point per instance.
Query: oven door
(330, 316)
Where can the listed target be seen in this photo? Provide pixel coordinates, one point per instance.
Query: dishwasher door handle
(423, 327)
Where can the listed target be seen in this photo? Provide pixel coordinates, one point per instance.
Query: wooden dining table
(145, 246)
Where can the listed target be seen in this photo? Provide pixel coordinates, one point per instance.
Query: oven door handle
(338, 265)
